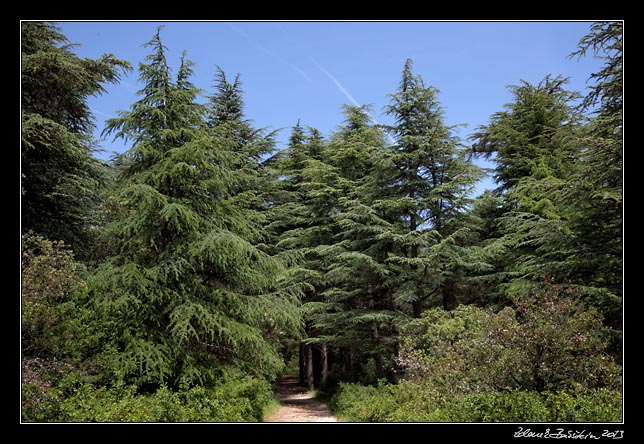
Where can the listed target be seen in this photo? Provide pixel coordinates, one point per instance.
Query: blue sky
(308, 70)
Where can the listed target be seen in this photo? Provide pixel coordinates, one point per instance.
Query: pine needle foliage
(597, 226)
(535, 145)
(559, 171)
(428, 180)
(360, 316)
(60, 175)
(191, 292)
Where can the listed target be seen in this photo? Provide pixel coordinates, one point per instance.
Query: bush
(546, 342)
(408, 402)
(515, 406)
(49, 276)
(39, 404)
(385, 403)
(239, 399)
(444, 348)
(599, 405)
(357, 403)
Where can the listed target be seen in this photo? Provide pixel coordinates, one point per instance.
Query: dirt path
(299, 405)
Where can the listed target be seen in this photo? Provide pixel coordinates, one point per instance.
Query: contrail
(101, 113)
(348, 95)
(131, 87)
(298, 70)
(268, 52)
(337, 83)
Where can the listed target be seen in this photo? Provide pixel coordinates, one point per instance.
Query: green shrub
(408, 402)
(234, 400)
(357, 403)
(238, 399)
(385, 403)
(49, 278)
(415, 403)
(515, 406)
(599, 405)
(546, 342)
(39, 404)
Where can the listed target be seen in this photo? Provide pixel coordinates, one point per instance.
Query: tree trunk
(325, 366)
(347, 360)
(417, 307)
(449, 297)
(309, 367)
(302, 365)
(375, 335)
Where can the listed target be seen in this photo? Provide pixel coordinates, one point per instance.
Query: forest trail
(299, 405)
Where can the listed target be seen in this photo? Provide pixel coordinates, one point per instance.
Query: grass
(271, 408)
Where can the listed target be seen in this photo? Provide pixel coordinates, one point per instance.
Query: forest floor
(299, 405)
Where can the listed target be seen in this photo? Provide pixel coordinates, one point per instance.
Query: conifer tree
(300, 224)
(428, 180)
(225, 114)
(489, 256)
(60, 176)
(293, 218)
(535, 145)
(190, 293)
(560, 177)
(532, 140)
(596, 251)
(357, 314)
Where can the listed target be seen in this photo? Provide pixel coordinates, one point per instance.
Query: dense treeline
(179, 280)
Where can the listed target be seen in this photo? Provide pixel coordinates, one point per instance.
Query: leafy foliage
(50, 283)
(546, 341)
(411, 402)
(236, 399)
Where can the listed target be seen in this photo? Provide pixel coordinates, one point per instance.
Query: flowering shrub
(546, 341)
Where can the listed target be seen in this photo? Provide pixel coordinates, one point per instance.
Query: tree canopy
(60, 175)
(181, 279)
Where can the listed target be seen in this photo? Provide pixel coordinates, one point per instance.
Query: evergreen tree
(225, 113)
(597, 194)
(428, 180)
(491, 260)
(293, 220)
(60, 176)
(357, 315)
(300, 223)
(531, 139)
(605, 41)
(534, 143)
(190, 294)
(561, 180)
